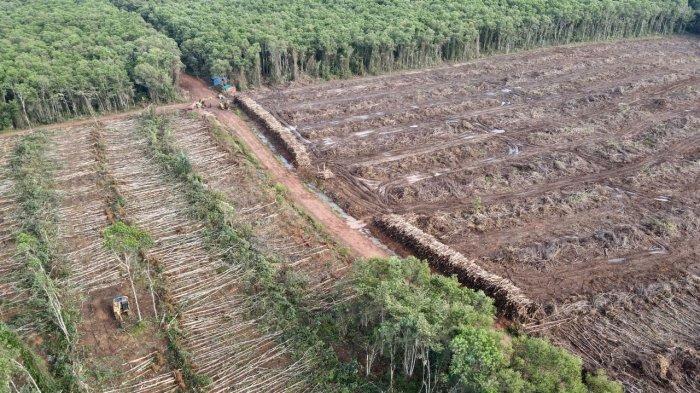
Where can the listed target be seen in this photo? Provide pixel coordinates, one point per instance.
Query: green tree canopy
(63, 58)
(126, 239)
(276, 40)
(429, 332)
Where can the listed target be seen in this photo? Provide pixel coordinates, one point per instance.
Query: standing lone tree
(127, 241)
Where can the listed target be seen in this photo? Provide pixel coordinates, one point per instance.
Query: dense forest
(62, 58)
(695, 23)
(257, 41)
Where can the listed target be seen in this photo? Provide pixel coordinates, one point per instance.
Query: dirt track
(355, 241)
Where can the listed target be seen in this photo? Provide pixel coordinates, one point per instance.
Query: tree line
(417, 331)
(258, 41)
(63, 58)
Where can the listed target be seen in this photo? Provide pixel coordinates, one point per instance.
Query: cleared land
(105, 172)
(572, 171)
(8, 225)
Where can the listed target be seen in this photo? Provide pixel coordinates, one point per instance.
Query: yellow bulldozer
(120, 307)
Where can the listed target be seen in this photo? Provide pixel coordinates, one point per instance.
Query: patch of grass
(661, 226)
(477, 205)
(139, 328)
(580, 198)
(280, 189)
(344, 252)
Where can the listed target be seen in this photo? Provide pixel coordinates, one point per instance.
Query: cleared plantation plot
(85, 274)
(571, 171)
(114, 359)
(191, 296)
(648, 338)
(82, 210)
(277, 228)
(224, 343)
(8, 225)
(104, 172)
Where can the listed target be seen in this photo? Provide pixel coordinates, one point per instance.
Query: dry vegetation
(115, 358)
(8, 224)
(195, 321)
(571, 171)
(277, 228)
(223, 341)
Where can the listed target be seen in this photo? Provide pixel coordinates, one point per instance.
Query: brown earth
(335, 225)
(573, 171)
(562, 169)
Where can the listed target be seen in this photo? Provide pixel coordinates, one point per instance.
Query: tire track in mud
(561, 220)
(507, 91)
(224, 343)
(423, 97)
(573, 281)
(580, 263)
(587, 111)
(679, 147)
(527, 151)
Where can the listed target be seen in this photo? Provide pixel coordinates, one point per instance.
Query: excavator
(222, 85)
(120, 307)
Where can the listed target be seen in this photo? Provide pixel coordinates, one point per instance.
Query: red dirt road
(359, 244)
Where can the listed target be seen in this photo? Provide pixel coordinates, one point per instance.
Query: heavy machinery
(120, 307)
(222, 85)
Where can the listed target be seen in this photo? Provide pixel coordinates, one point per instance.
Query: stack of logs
(294, 147)
(509, 298)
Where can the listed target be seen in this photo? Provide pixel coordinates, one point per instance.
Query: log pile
(294, 147)
(509, 298)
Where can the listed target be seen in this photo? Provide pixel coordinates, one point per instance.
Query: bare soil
(572, 171)
(358, 244)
